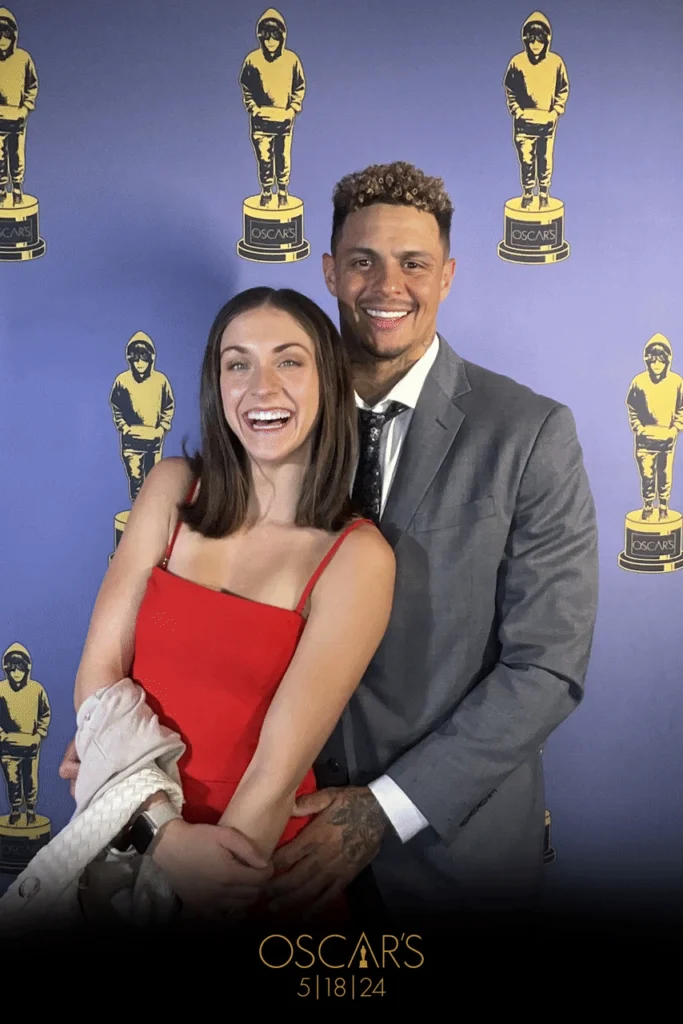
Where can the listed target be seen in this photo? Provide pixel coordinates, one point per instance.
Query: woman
(244, 597)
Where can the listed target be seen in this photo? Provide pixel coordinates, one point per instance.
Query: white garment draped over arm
(126, 756)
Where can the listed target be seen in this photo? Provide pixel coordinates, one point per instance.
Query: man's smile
(386, 319)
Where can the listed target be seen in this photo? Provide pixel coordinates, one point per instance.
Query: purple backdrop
(139, 154)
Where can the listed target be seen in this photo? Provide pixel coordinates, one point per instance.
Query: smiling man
(433, 779)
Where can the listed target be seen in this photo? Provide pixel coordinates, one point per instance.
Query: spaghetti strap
(326, 560)
(188, 497)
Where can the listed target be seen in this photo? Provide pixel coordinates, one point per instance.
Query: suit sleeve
(546, 604)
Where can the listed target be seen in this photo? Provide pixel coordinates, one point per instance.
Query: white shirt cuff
(399, 809)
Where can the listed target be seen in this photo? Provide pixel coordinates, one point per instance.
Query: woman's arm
(108, 650)
(350, 609)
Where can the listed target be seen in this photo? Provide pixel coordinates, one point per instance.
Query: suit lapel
(433, 428)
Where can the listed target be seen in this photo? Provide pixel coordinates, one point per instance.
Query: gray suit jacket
(493, 525)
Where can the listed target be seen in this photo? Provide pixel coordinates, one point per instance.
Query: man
(273, 89)
(536, 88)
(24, 720)
(18, 92)
(142, 405)
(655, 411)
(434, 774)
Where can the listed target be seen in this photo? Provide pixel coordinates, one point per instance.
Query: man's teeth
(385, 314)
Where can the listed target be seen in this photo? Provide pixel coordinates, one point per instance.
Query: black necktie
(367, 486)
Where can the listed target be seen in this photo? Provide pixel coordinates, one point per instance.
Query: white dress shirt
(404, 816)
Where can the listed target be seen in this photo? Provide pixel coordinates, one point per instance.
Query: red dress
(210, 663)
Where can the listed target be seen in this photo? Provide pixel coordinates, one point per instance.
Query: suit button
(334, 765)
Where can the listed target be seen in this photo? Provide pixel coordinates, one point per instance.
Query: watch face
(141, 834)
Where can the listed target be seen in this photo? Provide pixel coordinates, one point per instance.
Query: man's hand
(68, 769)
(213, 869)
(330, 851)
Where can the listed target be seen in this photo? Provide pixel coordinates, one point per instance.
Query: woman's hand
(70, 765)
(213, 869)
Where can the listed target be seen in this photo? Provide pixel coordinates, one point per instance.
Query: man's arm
(547, 600)
(401, 813)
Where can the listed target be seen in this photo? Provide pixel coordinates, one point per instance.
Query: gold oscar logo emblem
(654, 532)
(19, 231)
(142, 406)
(273, 88)
(536, 88)
(24, 721)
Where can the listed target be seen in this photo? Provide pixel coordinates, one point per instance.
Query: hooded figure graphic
(18, 91)
(655, 413)
(142, 404)
(536, 87)
(273, 88)
(24, 720)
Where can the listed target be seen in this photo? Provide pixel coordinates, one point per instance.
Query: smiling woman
(258, 372)
(245, 598)
(274, 352)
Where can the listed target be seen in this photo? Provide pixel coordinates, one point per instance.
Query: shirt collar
(407, 389)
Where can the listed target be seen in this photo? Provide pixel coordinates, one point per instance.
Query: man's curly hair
(399, 184)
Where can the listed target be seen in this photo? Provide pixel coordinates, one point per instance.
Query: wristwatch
(145, 827)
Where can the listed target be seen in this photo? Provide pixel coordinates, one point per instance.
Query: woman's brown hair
(222, 463)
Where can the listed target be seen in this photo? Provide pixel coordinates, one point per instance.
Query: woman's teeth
(271, 419)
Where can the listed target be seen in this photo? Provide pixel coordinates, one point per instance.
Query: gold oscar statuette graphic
(654, 535)
(19, 232)
(143, 406)
(273, 88)
(24, 721)
(536, 89)
(549, 854)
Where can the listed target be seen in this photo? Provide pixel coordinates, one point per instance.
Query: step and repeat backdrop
(155, 158)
